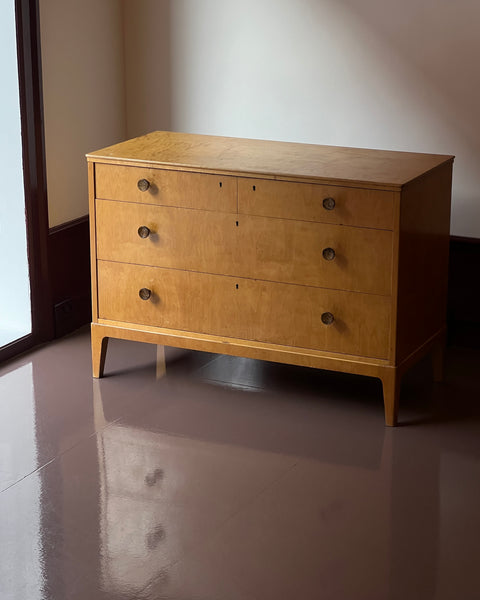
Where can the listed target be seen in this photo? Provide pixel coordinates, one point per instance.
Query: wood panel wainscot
(327, 257)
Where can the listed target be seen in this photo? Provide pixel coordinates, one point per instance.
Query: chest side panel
(424, 234)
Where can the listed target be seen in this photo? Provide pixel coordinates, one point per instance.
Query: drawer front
(168, 188)
(316, 254)
(305, 201)
(178, 238)
(263, 311)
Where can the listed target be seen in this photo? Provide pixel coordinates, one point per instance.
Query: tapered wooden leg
(161, 365)
(391, 395)
(99, 351)
(438, 361)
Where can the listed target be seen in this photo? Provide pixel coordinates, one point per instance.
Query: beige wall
(374, 74)
(84, 94)
(369, 73)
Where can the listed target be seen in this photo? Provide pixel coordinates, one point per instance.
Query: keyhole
(254, 188)
(236, 286)
(220, 184)
(236, 223)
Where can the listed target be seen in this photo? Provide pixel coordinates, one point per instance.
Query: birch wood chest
(328, 257)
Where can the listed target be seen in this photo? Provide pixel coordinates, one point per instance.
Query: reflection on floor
(226, 478)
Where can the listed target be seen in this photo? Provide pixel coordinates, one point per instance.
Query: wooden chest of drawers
(334, 258)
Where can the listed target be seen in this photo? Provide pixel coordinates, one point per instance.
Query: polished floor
(229, 479)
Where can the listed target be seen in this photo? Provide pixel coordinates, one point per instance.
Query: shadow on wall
(148, 66)
(439, 41)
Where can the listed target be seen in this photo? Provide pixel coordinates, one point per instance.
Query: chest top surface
(382, 169)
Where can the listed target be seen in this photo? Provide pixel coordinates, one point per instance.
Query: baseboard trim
(69, 225)
(458, 239)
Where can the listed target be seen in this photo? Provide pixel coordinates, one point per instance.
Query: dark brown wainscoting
(464, 292)
(69, 261)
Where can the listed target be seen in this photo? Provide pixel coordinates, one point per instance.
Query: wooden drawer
(299, 252)
(168, 188)
(255, 247)
(179, 238)
(304, 201)
(263, 311)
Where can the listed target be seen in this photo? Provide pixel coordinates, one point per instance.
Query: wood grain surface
(244, 308)
(423, 260)
(379, 168)
(304, 201)
(167, 188)
(244, 246)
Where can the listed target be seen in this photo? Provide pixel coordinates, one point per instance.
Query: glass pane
(15, 307)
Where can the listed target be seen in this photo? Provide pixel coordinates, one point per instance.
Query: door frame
(34, 173)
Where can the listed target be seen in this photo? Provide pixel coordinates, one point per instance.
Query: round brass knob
(327, 318)
(328, 253)
(143, 185)
(328, 203)
(145, 293)
(143, 232)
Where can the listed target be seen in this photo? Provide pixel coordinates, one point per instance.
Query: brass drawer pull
(328, 203)
(144, 232)
(145, 293)
(328, 253)
(143, 185)
(327, 318)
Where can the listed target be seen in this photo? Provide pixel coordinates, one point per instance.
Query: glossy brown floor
(233, 479)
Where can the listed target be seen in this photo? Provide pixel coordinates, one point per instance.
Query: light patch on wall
(83, 94)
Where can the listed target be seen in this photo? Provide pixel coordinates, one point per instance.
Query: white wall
(366, 73)
(84, 94)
